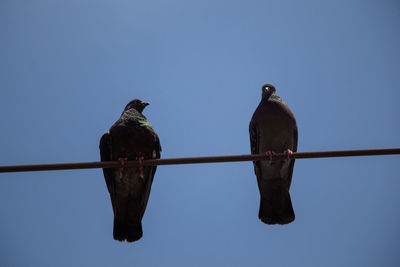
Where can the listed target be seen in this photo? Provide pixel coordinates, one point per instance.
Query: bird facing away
(130, 138)
(273, 129)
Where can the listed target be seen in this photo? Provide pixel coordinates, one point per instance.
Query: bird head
(267, 91)
(137, 104)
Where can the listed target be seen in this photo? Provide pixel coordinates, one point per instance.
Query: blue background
(68, 68)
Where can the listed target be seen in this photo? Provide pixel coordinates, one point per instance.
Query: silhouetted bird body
(273, 129)
(130, 138)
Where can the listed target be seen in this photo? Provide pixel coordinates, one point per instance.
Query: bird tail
(127, 219)
(275, 204)
(125, 230)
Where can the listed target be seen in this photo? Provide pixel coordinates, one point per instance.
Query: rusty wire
(195, 160)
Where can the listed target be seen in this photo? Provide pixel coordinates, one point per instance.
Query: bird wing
(291, 166)
(145, 196)
(152, 172)
(254, 136)
(105, 155)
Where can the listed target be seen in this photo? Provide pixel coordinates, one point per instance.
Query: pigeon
(130, 138)
(273, 129)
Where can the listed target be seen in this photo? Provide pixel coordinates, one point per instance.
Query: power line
(195, 160)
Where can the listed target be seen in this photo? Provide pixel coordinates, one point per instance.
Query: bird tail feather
(127, 220)
(276, 205)
(125, 230)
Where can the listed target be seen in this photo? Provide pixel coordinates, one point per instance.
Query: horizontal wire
(195, 160)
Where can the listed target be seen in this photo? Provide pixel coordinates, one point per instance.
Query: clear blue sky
(68, 68)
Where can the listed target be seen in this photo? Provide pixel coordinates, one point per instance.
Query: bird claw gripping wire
(141, 169)
(270, 154)
(121, 170)
(288, 153)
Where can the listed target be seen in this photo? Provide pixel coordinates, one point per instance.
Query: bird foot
(121, 170)
(288, 153)
(270, 154)
(141, 169)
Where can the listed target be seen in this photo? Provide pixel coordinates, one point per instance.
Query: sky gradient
(68, 68)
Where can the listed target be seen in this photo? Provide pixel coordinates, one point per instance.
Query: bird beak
(145, 104)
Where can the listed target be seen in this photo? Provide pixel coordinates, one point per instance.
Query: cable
(195, 160)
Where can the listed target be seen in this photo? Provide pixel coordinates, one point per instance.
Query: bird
(273, 129)
(131, 137)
